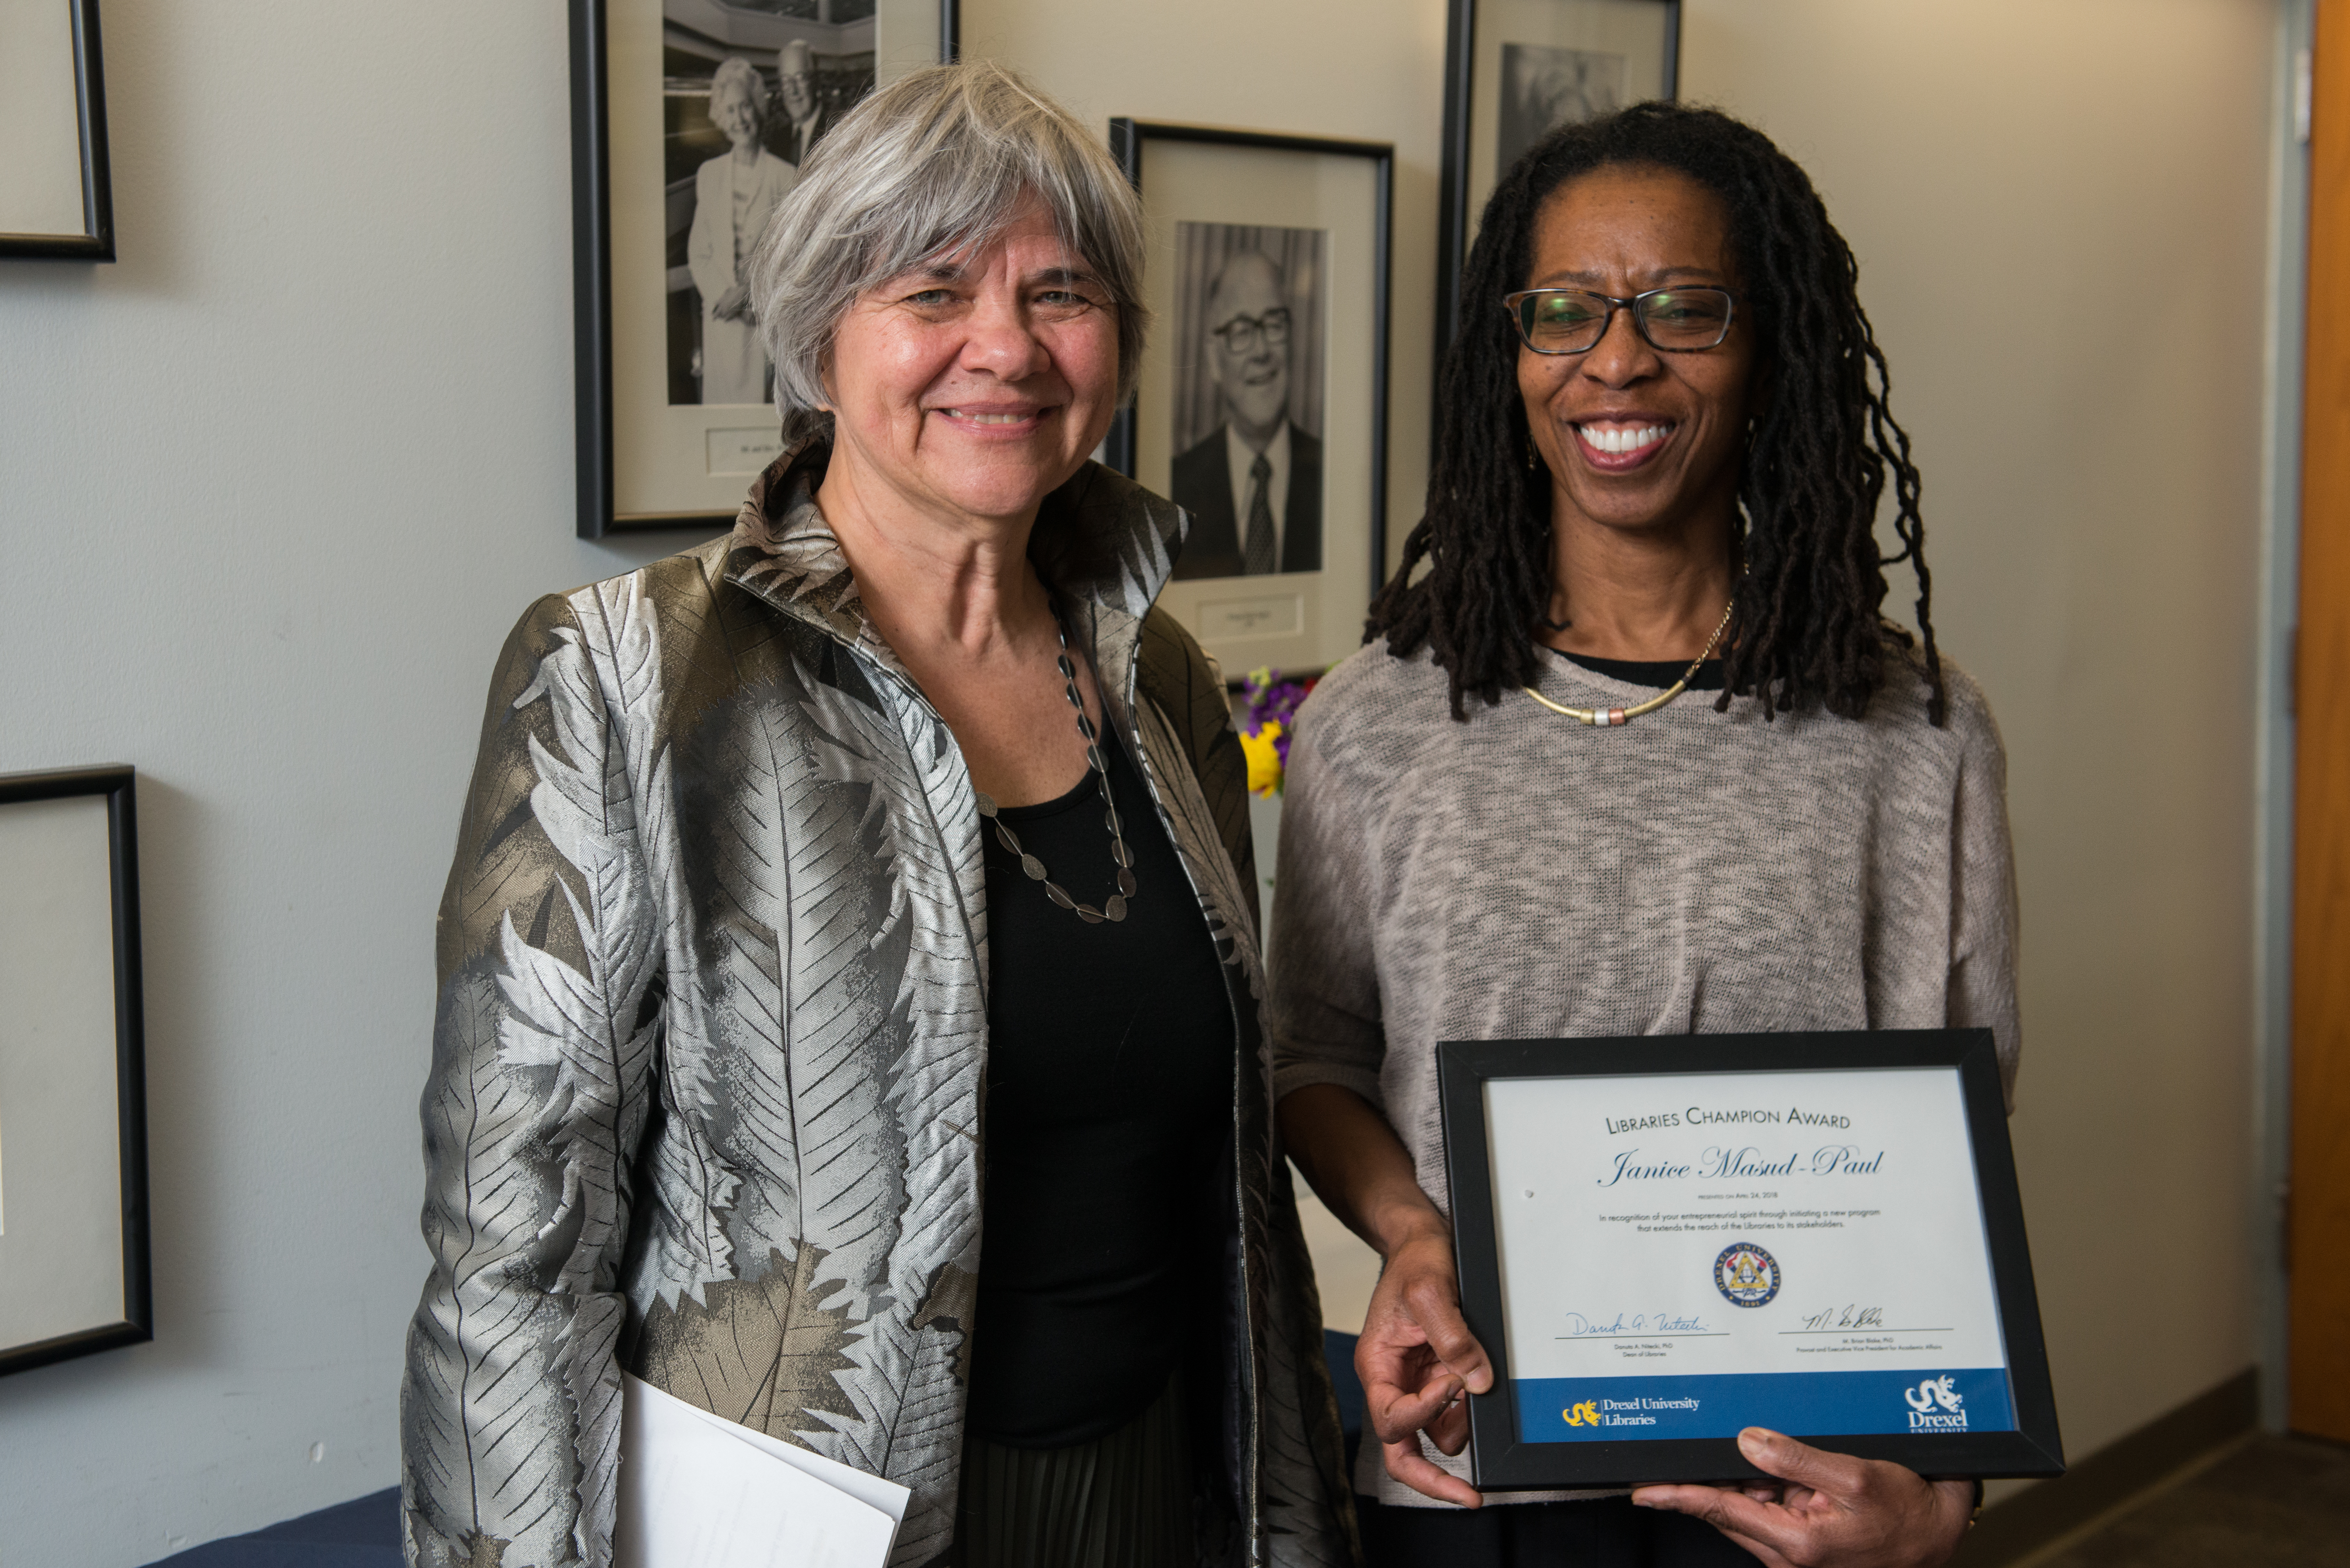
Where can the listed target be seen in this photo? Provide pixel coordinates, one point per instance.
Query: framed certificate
(56, 199)
(74, 1276)
(1664, 1240)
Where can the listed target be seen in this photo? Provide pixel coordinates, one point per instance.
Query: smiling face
(1636, 438)
(733, 113)
(1252, 369)
(976, 385)
(795, 68)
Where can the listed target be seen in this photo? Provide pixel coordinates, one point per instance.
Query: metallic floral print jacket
(712, 1031)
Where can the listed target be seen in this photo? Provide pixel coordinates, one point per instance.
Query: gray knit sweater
(1522, 876)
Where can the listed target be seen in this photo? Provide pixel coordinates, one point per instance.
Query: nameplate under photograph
(1662, 1241)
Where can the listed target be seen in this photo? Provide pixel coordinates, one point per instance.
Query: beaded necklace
(1114, 907)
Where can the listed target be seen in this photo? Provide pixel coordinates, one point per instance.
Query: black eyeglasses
(1573, 321)
(1242, 334)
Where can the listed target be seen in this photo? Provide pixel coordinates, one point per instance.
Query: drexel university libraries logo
(1934, 1405)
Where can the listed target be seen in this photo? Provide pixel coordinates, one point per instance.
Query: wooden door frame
(2315, 1357)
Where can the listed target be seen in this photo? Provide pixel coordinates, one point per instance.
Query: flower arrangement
(1272, 705)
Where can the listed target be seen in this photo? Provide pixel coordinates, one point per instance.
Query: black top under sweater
(1650, 672)
(1109, 1093)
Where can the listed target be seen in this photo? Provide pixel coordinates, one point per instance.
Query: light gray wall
(273, 488)
(2062, 246)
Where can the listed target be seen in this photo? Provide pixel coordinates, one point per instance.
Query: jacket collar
(1101, 539)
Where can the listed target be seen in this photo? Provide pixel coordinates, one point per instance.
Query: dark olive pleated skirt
(1122, 1501)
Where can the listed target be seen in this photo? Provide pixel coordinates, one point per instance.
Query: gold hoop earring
(1534, 458)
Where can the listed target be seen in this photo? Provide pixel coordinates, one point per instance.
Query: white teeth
(986, 419)
(1621, 441)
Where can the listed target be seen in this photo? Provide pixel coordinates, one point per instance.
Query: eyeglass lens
(1242, 334)
(1569, 321)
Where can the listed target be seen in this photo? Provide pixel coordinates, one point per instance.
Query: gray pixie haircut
(941, 158)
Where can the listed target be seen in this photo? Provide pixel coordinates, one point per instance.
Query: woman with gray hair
(894, 839)
(734, 194)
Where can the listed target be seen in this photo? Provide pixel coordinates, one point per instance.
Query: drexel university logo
(1934, 1405)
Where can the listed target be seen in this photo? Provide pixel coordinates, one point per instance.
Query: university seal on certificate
(1663, 1241)
(1746, 1275)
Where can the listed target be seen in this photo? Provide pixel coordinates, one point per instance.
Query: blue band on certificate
(1610, 1410)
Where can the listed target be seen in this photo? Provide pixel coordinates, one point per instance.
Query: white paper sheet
(700, 1491)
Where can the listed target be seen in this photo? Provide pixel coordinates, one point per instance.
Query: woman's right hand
(1416, 1357)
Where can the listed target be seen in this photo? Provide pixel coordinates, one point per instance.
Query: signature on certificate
(1597, 1326)
(1847, 1317)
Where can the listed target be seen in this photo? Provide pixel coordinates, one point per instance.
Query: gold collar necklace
(1619, 715)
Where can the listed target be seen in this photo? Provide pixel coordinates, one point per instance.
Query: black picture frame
(591, 276)
(1455, 199)
(118, 784)
(1500, 1461)
(95, 243)
(1128, 138)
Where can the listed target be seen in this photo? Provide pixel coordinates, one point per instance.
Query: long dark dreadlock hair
(1805, 625)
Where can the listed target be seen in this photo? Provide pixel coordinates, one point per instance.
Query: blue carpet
(362, 1533)
(365, 1532)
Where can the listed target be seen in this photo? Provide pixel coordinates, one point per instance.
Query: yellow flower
(1263, 759)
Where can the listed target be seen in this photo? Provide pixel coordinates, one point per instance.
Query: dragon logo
(1584, 1415)
(1932, 1392)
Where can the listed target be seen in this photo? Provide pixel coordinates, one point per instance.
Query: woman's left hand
(1833, 1511)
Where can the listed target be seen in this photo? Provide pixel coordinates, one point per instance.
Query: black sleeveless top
(1110, 1096)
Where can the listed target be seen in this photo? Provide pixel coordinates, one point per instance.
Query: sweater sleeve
(1983, 917)
(1325, 1005)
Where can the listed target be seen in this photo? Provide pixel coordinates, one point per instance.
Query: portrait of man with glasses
(1252, 483)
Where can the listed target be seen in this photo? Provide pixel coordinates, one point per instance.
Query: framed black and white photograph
(73, 1100)
(1245, 415)
(1662, 1241)
(1516, 70)
(690, 121)
(55, 200)
(1261, 404)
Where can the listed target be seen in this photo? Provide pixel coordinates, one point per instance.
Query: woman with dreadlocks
(1664, 439)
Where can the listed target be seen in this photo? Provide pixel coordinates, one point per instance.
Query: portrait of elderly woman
(847, 1016)
(734, 194)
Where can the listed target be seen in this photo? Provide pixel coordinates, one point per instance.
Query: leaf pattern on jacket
(804, 1010)
(939, 1373)
(920, 798)
(478, 1350)
(712, 1025)
(696, 1185)
(762, 1352)
(589, 1025)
